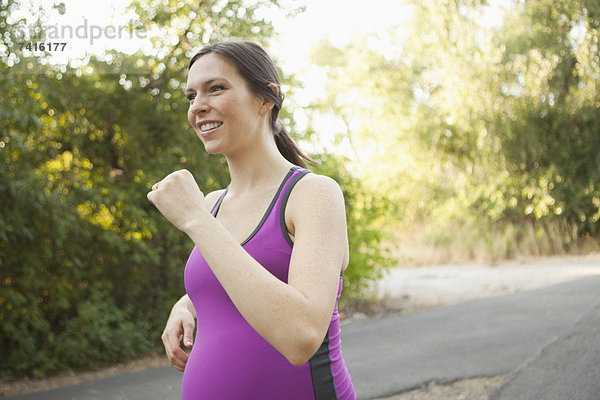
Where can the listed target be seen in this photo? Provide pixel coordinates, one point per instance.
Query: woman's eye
(191, 97)
(216, 88)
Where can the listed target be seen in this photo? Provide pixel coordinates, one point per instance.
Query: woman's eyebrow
(205, 83)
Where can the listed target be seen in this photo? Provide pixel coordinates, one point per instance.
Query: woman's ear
(268, 103)
(274, 88)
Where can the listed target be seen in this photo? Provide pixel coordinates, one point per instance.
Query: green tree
(476, 131)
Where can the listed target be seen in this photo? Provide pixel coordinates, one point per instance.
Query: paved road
(488, 337)
(546, 339)
(568, 368)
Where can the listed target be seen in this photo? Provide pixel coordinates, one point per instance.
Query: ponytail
(288, 148)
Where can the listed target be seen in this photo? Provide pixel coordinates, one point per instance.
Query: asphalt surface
(568, 368)
(488, 337)
(547, 340)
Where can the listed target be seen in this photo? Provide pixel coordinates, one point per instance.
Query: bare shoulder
(315, 192)
(316, 215)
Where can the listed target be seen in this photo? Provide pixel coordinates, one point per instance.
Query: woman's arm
(293, 316)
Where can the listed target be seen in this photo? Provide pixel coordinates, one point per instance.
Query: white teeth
(209, 126)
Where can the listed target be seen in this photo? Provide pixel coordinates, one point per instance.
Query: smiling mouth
(208, 126)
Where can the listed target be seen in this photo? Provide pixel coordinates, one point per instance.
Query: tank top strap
(218, 203)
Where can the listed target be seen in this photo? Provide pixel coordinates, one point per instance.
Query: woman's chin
(211, 148)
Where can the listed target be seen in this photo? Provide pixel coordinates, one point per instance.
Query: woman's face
(223, 112)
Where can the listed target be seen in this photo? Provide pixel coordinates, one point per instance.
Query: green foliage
(88, 269)
(96, 332)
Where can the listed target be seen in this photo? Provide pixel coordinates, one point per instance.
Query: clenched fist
(179, 199)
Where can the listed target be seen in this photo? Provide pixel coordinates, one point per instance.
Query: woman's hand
(181, 322)
(179, 199)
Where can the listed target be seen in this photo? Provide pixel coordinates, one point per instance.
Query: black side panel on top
(320, 370)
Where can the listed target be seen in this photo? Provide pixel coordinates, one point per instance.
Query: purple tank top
(230, 360)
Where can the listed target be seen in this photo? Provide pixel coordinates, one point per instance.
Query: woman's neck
(260, 167)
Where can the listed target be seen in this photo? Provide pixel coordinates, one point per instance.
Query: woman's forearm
(277, 311)
(185, 302)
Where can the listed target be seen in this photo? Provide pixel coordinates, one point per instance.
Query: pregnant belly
(242, 365)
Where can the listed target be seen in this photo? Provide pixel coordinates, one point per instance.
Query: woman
(264, 276)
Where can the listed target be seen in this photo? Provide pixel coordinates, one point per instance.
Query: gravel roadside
(466, 389)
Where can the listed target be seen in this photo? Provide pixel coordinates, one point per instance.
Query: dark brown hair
(258, 70)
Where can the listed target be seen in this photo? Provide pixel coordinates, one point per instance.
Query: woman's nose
(200, 105)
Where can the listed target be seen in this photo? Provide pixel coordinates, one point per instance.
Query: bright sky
(338, 20)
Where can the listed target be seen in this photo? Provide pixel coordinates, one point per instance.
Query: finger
(170, 344)
(188, 332)
(178, 364)
(179, 359)
(178, 368)
(180, 355)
